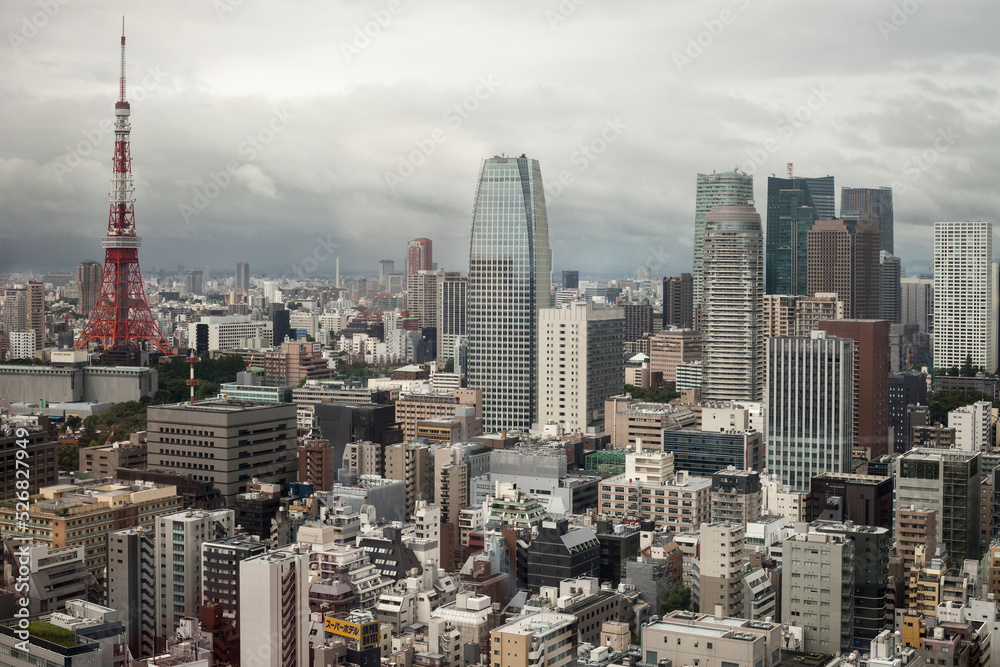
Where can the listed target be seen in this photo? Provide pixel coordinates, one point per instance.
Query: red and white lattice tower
(121, 318)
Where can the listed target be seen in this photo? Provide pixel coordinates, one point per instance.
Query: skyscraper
(36, 312)
(732, 305)
(917, 297)
(678, 297)
(963, 295)
(843, 260)
(194, 281)
(452, 298)
(729, 188)
(386, 267)
(891, 299)
(421, 293)
(419, 256)
(88, 283)
(809, 407)
(571, 279)
(508, 283)
(870, 204)
(580, 362)
(242, 276)
(871, 380)
(788, 228)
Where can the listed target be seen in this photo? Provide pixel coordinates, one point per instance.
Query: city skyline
(294, 193)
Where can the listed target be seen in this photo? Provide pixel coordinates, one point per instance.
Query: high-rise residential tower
(242, 276)
(787, 242)
(452, 295)
(917, 302)
(844, 260)
(36, 311)
(580, 363)
(419, 256)
(728, 188)
(809, 407)
(732, 305)
(508, 282)
(963, 295)
(891, 299)
(678, 297)
(88, 283)
(873, 204)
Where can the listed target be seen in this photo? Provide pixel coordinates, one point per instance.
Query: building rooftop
(221, 405)
(541, 621)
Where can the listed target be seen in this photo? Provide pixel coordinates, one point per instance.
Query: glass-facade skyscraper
(870, 204)
(509, 276)
(728, 188)
(784, 243)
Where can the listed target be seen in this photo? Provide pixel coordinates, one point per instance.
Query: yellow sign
(367, 634)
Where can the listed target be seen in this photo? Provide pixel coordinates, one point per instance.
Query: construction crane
(111, 435)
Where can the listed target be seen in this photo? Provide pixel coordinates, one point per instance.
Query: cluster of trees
(678, 597)
(210, 373)
(944, 401)
(661, 394)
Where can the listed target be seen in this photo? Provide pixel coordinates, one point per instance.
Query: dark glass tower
(818, 194)
(870, 204)
(787, 243)
(509, 276)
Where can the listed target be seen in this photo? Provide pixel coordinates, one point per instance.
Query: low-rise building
(687, 638)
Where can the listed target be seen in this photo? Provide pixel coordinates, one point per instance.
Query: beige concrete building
(580, 363)
(721, 568)
(422, 403)
(224, 441)
(410, 463)
(916, 533)
(363, 458)
(462, 427)
(545, 639)
(672, 347)
(689, 638)
(104, 461)
(791, 315)
(627, 419)
(680, 505)
(451, 482)
(819, 596)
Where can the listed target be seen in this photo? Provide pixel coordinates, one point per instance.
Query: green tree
(661, 394)
(73, 422)
(944, 401)
(678, 597)
(449, 366)
(968, 370)
(302, 383)
(69, 457)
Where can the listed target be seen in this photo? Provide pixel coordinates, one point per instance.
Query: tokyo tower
(121, 321)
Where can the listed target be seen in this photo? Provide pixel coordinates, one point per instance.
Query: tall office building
(947, 480)
(194, 281)
(844, 260)
(580, 363)
(422, 296)
(964, 321)
(386, 267)
(788, 226)
(638, 320)
(870, 204)
(732, 305)
(871, 381)
(242, 276)
(678, 295)
(810, 400)
(419, 256)
(729, 188)
(179, 537)
(88, 284)
(15, 309)
(508, 283)
(571, 279)
(452, 298)
(131, 587)
(817, 194)
(36, 311)
(891, 299)
(274, 609)
(917, 303)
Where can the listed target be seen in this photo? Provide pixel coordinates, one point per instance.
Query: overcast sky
(363, 124)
